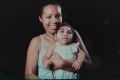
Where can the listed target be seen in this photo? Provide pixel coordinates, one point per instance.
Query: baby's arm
(77, 64)
(46, 58)
(60, 63)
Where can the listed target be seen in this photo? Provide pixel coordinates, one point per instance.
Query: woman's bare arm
(46, 58)
(32, 58)
(81, 56)
(87, 62)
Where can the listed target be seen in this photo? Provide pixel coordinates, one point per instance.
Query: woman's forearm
(31, 77)
(87, 61)
(60, 63)
(66, 65)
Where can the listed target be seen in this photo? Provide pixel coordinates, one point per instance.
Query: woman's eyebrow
(58, 14)
(48, 14)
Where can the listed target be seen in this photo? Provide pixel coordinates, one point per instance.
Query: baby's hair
(65, 24)
(46, 3)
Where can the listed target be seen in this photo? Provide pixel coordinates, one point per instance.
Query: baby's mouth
(65, 38)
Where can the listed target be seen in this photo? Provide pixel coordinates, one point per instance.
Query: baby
(67, 50)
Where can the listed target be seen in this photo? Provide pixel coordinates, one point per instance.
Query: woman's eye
(49, 17)
(58, 16)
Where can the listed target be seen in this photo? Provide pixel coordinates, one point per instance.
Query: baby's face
(64, 35)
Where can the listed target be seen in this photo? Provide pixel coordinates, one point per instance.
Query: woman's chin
(53, 31)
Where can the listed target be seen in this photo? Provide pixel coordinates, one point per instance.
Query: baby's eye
(62, 31)
(69, 32)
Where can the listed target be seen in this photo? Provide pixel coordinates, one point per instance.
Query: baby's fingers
(73, 65)
(77, 67)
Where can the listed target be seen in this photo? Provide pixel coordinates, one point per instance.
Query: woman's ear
(40, 19)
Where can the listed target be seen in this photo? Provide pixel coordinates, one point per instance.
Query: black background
(97, 21)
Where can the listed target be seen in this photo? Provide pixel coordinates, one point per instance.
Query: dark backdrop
(97, 21)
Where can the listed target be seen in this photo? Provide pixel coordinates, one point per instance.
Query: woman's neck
(50, 36)
(64, 44)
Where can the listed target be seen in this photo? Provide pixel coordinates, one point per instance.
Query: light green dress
(67, 52)
(43, 73)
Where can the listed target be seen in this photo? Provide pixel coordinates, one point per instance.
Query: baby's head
(65, 34)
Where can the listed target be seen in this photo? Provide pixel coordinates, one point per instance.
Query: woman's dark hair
(68, 25)
(44, 3)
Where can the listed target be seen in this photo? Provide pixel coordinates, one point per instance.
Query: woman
(50, 16)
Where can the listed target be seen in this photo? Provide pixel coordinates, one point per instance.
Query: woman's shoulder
(36, 41)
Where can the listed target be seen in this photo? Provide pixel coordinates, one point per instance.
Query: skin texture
(64, 37)
(50, 18)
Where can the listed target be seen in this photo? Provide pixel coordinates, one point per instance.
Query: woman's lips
(53, 27)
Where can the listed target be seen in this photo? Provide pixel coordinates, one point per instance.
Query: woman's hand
(47, 63)
(57, 61)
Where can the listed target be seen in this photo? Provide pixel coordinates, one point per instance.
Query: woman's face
(51, 17)
(64, 35)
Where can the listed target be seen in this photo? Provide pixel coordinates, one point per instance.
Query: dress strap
(44, 44)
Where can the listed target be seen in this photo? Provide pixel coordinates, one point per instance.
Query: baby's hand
(76, 65)
(48, 63)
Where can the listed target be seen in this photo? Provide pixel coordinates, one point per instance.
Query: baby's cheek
(70, 37)
(59, 35)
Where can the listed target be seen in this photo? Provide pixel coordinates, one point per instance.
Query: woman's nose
(54, 20)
